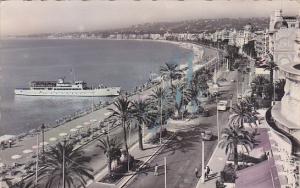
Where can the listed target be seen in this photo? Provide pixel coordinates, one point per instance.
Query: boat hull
(102, 92)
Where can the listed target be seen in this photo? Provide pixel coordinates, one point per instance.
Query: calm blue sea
(109, 62)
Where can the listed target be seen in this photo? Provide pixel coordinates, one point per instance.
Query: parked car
(207, 135)
(239, 96)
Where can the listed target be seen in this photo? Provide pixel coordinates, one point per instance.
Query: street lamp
(63, 159)
(202, 166)
(43, 138)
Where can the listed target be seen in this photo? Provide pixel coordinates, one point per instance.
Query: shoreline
(196, 50)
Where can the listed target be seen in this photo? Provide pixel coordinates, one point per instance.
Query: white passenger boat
(62, 88)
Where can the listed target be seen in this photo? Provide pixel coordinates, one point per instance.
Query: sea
(124, 63)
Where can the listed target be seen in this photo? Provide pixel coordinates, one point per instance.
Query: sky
(28, 17)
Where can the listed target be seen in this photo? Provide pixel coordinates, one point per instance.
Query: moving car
(222, 105)
(207, 135)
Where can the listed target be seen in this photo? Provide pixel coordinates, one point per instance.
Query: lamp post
(202, 166)
(63, 159)
(43, 139)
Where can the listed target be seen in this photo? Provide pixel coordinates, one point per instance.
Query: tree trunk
(171, 85)
(140, 137)
(125, 137)
(109, 165)
(235, 156)
(271, 81)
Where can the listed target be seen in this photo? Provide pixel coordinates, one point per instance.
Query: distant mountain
(191, 26)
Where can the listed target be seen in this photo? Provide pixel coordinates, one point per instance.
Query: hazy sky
(24, 17)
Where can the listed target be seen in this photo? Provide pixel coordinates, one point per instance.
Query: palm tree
(63, 159)
(242, 112)
(271, 66)
(185, 93)
(232, 137)
(144, 115)
(259, 83)
(159, 97)
(159, 102)
(279, 88)
(122, 114)
(170, 71)
(112, 150)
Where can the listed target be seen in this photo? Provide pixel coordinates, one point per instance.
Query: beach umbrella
(79, 126)
(44, 143)
(52, 139)
(16, 156)
(86, 123)
(27, 151)
(93, 120)
(35, 147)
(73, 130)
(63, 134)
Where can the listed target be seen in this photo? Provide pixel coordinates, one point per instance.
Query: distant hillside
(195, 26)
(191, 26)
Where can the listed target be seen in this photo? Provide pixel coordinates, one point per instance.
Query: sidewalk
(216, 163)
(150, 150)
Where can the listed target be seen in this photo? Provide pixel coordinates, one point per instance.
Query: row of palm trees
(236, 134)
(152, 111)
(63, 166)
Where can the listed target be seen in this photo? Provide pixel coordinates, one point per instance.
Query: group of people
(206, 172)
(3, 144)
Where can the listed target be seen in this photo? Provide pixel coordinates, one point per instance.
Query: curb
(199, 183)
(149, 158)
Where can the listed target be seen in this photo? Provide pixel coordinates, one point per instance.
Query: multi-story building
(282, 33)
(261, 42)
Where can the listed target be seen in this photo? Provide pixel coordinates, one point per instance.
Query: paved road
(184, 152)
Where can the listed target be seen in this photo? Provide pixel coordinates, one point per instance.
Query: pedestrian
(196, 172)
(156, 170)
(9, 142)
(207, 171)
